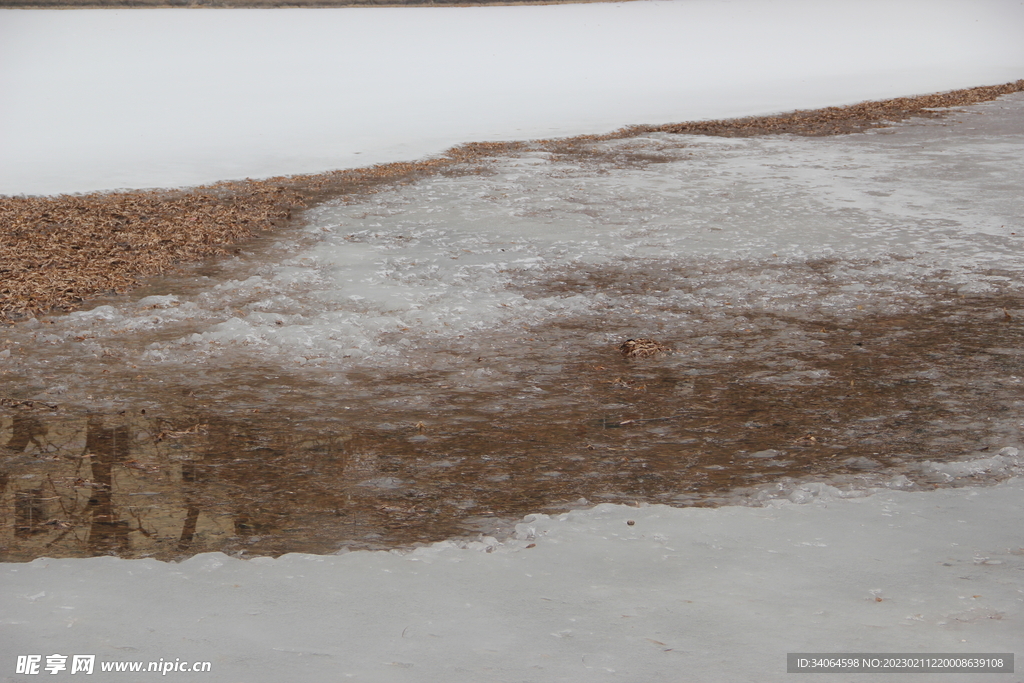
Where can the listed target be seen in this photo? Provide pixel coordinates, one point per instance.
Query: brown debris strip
(854, 118)
(56, 252)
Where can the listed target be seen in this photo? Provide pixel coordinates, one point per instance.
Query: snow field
(164, 98)
(678, 594)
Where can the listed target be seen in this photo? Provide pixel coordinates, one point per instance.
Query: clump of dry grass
(56, 252)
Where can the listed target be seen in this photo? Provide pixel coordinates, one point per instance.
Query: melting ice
(834, 228)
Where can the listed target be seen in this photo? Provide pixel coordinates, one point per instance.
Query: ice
(605, 593)
(1007, 460)
(798, 227)
(701, 239)
(173, 98)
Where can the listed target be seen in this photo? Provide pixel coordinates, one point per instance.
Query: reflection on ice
(764, 410)
(441, 355)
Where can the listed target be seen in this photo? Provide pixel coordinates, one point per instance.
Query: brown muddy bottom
(549, 423)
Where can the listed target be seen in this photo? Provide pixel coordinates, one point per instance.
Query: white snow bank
(109, 99)
(606, 594)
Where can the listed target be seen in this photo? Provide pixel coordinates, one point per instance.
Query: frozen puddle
(440, 357)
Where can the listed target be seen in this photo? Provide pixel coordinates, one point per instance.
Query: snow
(105, 99)
(97, 100)
(680, 594)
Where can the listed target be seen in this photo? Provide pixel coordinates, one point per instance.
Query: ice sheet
(606, 594)
(104, 99)
(831, 229)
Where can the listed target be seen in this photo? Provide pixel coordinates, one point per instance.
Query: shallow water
(440, 358)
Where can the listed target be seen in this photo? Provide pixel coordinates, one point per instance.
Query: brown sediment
(781, 401)
(57, 252)
(840, 120)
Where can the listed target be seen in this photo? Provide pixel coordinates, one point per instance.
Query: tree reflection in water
(796, 399)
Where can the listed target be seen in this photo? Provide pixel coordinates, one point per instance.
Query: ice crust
(173, 98)
(832, 228)
(607, 593)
